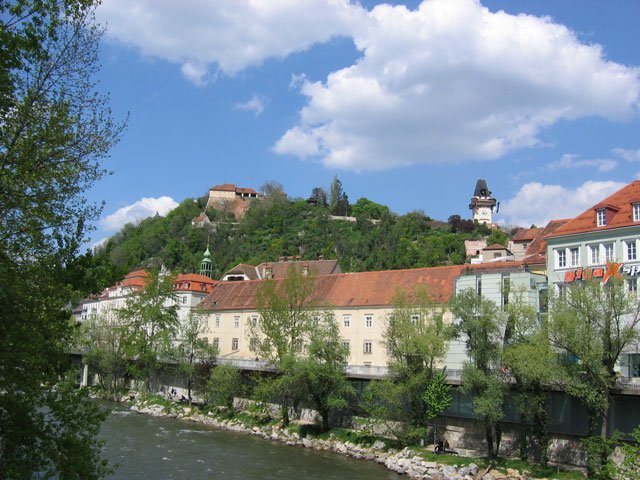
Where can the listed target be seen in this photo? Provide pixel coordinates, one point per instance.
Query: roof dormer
(605, 213)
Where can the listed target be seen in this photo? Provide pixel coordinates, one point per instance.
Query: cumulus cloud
(453, 81)
(531, 204)
(255, 104)
(143, 208)
(227, 34)
(570, 161)
(626, 154)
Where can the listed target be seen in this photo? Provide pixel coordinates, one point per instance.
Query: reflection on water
(163, 448)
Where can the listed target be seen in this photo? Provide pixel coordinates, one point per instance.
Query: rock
(378, 445)
(487, 476)
(430, 465)
(473, 468)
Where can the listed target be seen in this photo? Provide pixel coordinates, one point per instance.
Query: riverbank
(415, 464)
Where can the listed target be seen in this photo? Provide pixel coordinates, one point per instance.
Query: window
(636, 212)
(346, 345)
(367, 347)
(368, 320)
(631, 251)
(601, 217)
(562, 292)
(184, 300)
(254, 321)
(234, 344)
(575, 257)
(561, 258)
(478, 286)
(414, 318)
(253, 344)
(216, 342)
(236, 321)
(632, 285)
(346, 320)
(594, 254)
(506, 290)
(608, 252)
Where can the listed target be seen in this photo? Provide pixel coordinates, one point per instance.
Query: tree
(151, 318)
(338, 200)
(192, 349)
(498, 237)
(591, 326)
(366, 208)
(630, 466)
(531, 361)
(417, 338)
(287, 319)
(224, 384)
(104, 345)
(480, 323)
(323, 371)
(318, 197)
(55, 130)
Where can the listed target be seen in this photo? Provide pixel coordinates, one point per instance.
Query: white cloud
(452, 81)
(570, 160)
(531, 205)
(255, 104)
(227, 34)
(143, 208)
(626, 154)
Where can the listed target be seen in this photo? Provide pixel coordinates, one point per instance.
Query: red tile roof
(620, 205)
(193, 282)
(495, 246)
(362, 289)
(526, 234)
(316, 267)
(230, 187)
(539, 244)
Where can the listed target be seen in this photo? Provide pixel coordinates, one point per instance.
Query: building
(482, 203)
(601, 241)
(231, 199)
(190, 289)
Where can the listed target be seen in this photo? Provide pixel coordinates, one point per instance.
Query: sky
(407, 102)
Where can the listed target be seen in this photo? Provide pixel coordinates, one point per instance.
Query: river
(164, 448)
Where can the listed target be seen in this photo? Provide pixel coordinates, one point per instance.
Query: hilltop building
(229, 198)
(482, 203)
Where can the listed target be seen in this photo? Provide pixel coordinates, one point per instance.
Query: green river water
(152, 448)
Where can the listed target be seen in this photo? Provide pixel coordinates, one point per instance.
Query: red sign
(613, 269)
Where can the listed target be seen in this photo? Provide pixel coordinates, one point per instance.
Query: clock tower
(482, 203)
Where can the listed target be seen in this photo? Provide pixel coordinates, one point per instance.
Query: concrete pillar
(85, 375)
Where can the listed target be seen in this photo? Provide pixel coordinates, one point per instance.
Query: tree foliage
(224, 384)
(54, 131)
(591, 326)
(481, 326)
(150, 317)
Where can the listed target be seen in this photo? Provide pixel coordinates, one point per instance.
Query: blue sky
(409, 103)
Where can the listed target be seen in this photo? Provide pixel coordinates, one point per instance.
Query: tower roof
(481, 189)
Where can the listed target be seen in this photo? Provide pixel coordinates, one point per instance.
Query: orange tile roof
(193, 282)
(539, 244)
(363, 289)
(526, 234)
(316, 267)
(620, 205)
(495, 246)
(226, 187)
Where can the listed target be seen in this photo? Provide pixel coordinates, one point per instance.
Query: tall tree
(151, 319)
(338, 200)
(323, 369)
(482, 326)
(531, 361)
(55, 130)
(592, 325)
(287, 320)
(191, 349)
